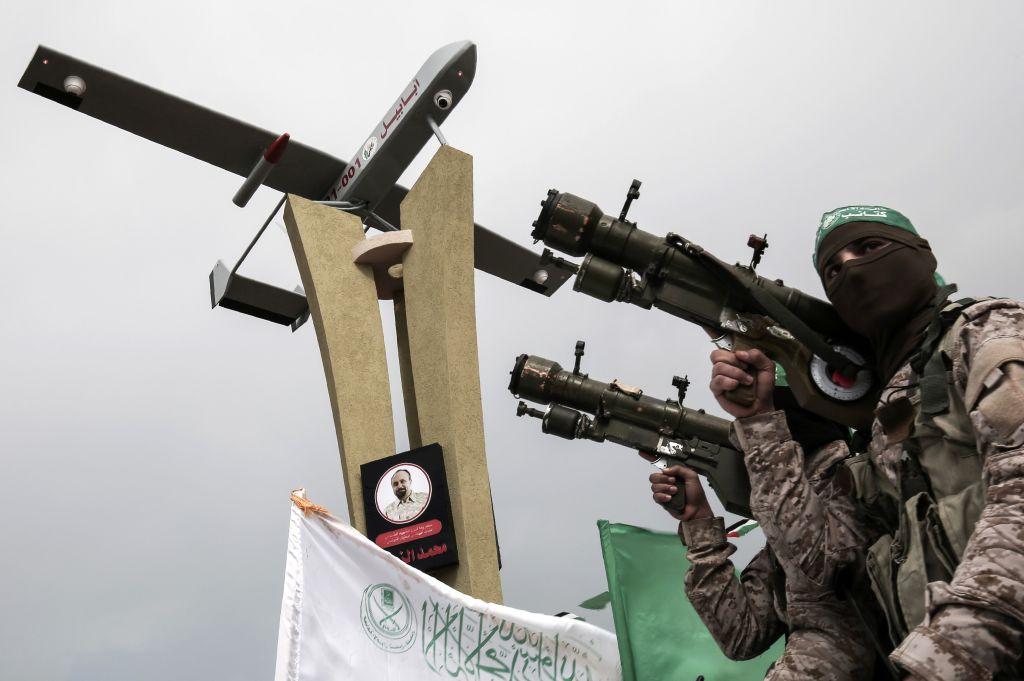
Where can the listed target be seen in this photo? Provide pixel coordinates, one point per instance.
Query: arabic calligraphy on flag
(351, 610)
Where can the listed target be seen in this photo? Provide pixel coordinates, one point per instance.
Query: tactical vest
(929, 516)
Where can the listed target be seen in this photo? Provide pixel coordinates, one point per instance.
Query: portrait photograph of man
(403, 493)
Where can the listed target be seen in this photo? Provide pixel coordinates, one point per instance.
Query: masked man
(940, 484)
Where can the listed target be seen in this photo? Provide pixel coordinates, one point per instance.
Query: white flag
(353, 611)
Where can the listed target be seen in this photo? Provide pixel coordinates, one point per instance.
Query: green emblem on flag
(387, 621)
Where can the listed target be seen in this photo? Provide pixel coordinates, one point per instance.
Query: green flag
(661, 638)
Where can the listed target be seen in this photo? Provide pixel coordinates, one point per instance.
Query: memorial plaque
(407, 508)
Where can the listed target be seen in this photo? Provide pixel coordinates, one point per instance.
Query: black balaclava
(888, 295)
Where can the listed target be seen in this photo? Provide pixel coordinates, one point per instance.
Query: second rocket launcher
(624, 415)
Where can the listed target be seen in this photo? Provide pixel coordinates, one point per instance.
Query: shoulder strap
(930, 364)
(789, 320)
(933, 333)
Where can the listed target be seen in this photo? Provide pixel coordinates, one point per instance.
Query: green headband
(841, 216)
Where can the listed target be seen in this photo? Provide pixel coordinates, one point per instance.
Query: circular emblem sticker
(369, 148)
(387, 618)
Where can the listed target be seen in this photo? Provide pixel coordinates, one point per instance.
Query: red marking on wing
(277, 148)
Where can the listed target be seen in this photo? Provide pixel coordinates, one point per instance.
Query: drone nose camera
(74, 85)
(443, 100)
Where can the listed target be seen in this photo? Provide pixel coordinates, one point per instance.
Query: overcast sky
(149, 443)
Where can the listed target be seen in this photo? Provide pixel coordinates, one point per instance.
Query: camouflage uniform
(746, 614)
(973, 626)
(402, 510)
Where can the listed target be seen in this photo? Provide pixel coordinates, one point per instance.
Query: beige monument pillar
(345, 313)
(432, 288)
(440, 317)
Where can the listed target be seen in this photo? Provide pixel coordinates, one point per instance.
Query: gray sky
(149, 443)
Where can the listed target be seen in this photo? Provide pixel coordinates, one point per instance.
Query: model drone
(365, 186)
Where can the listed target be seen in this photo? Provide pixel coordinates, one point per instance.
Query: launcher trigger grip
(742, 395)
(678, 501)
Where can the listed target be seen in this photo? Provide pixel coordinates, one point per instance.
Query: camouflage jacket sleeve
(814, 530)
(975, 624)
(739, 611)
(825, 637)
(811, 525)
(835, 648)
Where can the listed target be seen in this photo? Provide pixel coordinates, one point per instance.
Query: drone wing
(236, 146)
(223, 141)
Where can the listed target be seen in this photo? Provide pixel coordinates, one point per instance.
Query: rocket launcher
(824, 360)
(582, 408)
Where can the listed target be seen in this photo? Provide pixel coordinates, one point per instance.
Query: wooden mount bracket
(384, 253)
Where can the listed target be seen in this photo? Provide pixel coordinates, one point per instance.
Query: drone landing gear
(231, 290)
(256, 298)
